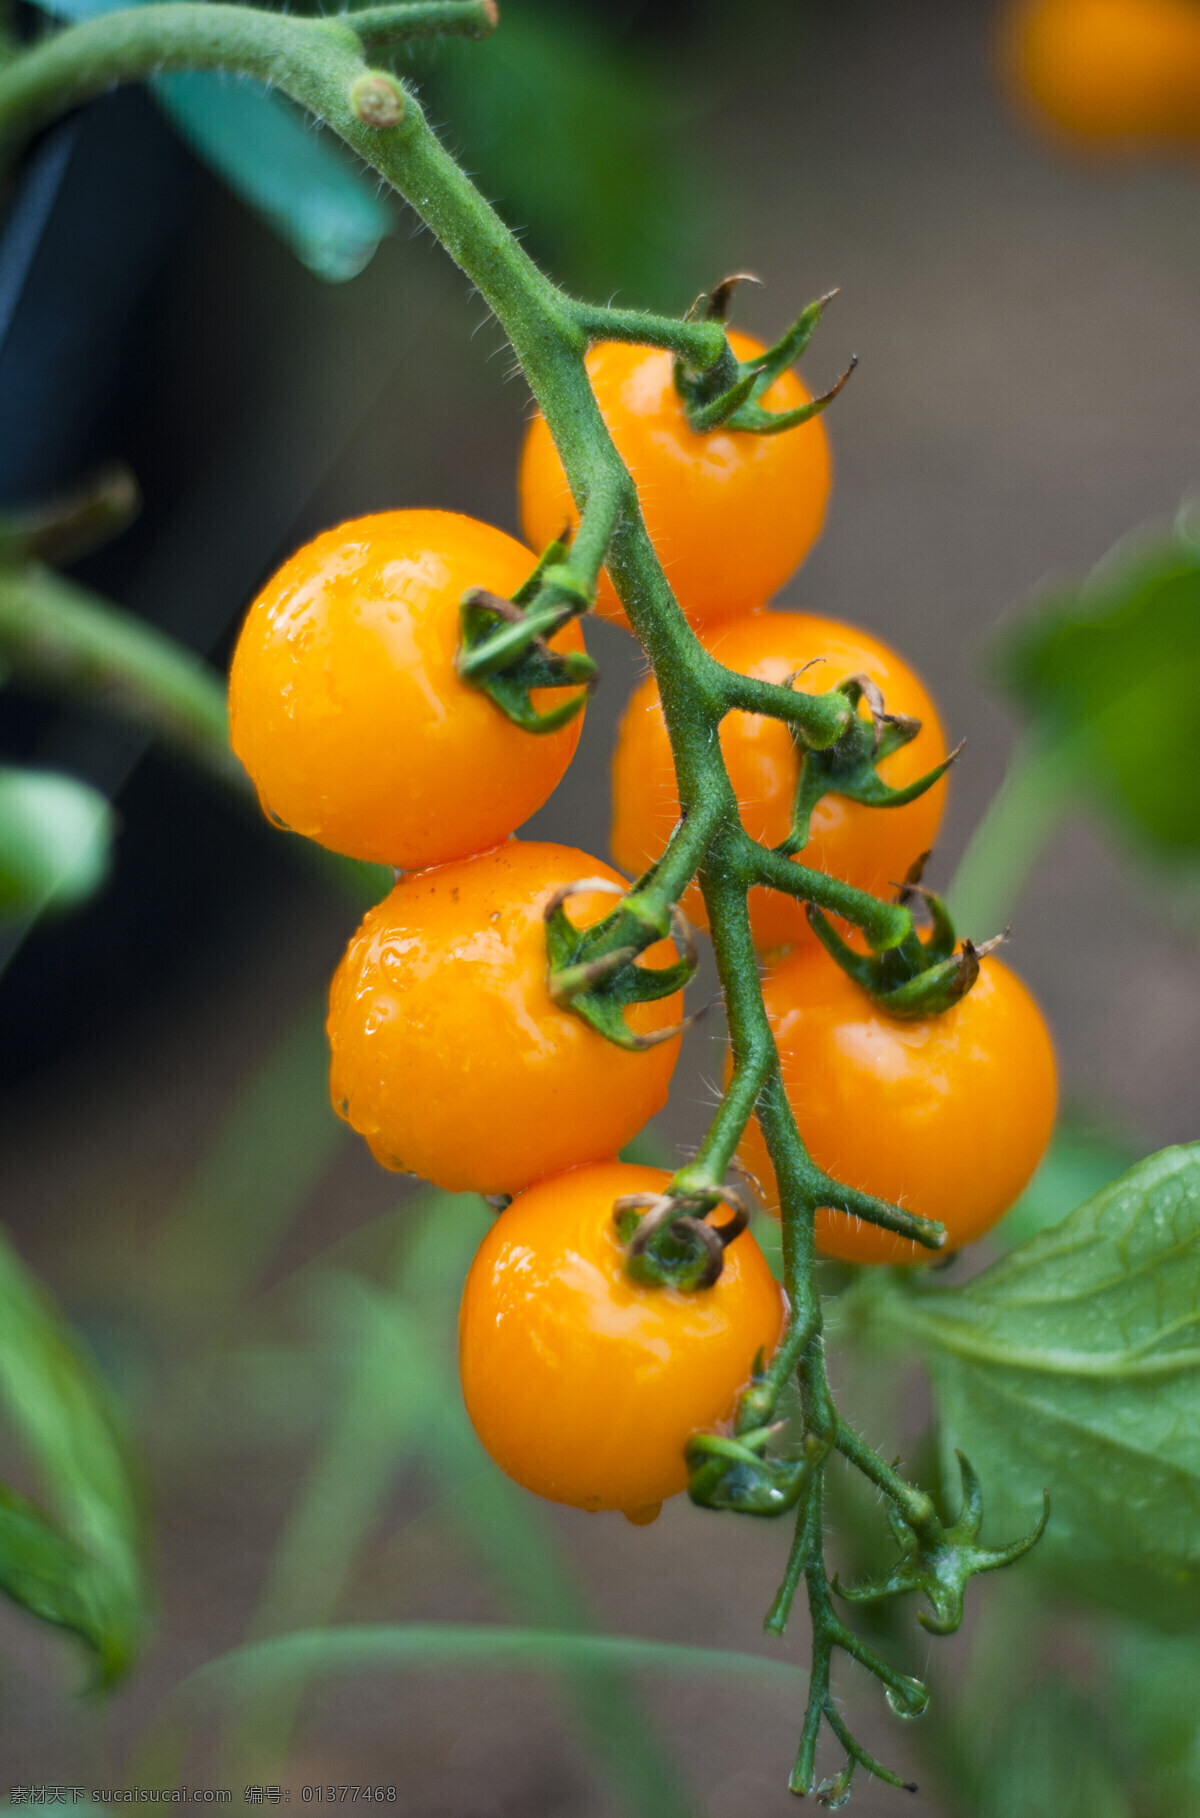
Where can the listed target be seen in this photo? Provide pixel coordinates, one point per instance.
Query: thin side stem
(378, 25)
(916, 1508)
(820, 718)
(701, 344)
(885, 925)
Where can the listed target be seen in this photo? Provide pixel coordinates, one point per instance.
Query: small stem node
(377, 100)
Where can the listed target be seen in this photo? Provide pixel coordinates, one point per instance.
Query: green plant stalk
(60, 639)
(320, 64)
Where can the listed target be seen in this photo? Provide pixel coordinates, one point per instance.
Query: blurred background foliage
(274, 1315)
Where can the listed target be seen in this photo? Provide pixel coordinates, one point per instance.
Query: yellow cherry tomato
(583, 1385)
(730, 514)
(450, 1056)
(946, 1116)
(348, 712)
(871, 848)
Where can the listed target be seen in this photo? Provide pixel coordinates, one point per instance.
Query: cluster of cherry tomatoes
(449, 1054)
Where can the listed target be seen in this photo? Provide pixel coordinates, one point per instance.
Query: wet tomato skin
(730, 514)
(946, 1116)
(584, 1386)
(449, 1055)
(347, 710)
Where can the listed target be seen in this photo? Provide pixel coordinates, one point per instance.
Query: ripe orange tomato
(869, 847)
(1107, 71)
(449, 1055)
(946, 1116)
(346, 709)
(586, 1386)
(730, 514)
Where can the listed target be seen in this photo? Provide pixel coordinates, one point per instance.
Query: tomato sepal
(919, 977)
(503, 648)
(594, 971)
(726, 397)
(737, 1476)
(668, 1240)
(940, 1559)
(848, 767)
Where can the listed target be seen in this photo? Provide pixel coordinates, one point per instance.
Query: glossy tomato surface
(347, 710)
(583, 1385)
(947, 1116)
(869, 847)
(730, 514)
(449, 1055)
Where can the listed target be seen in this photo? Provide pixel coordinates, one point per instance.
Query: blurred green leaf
(429, 1645)
(1079, 1161)
(304, 187)
(1154, 1688)
(1049, 1755)
(55, 841)
(277, 1138)
(46, 1574)
(1074, 1364)
(1111, 669)
(589, 147)
(82, 1567)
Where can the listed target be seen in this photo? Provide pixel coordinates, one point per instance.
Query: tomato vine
(323, 65)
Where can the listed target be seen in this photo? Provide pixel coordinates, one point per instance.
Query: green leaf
(428, 1645)
(82, 1566)
(1079, 1161)
(1154, 1689)
(41, 1570)
(307, 189)
(1049, 1755)
(1111, 670)
(1073, 1364)
(55, 840)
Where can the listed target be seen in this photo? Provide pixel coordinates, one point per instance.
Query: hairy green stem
(700, 343)
(886, 925)
(915, 1506)
(820, 718)
(426, 19)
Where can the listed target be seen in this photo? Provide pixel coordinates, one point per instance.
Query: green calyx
(849, 767)
(503, 648)
(727, 395)
(740, 1476)
(595, 972)
(920, 977)
(939, 1560)
(668, 1240)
